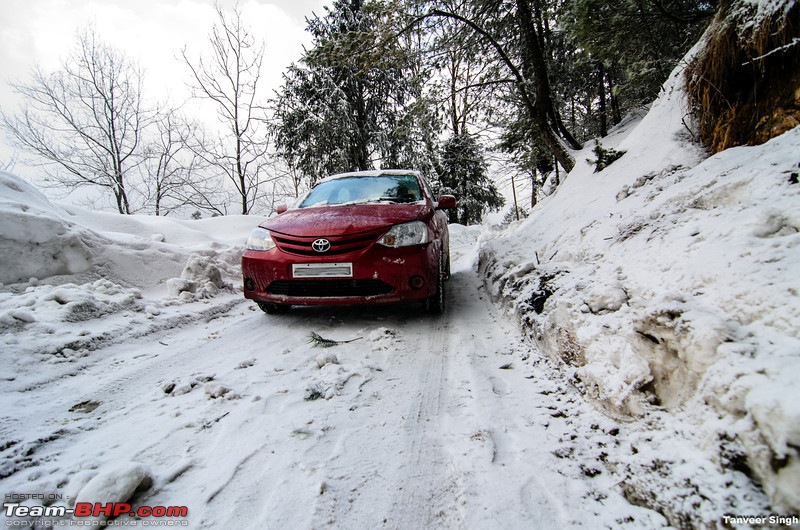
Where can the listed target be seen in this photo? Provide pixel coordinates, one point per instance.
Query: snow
(666, 285)
(116, 483)
(654, 383)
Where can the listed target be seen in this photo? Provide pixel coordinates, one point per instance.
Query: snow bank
(667, 284)
(45, 241)
(72, 280)
(36, 239)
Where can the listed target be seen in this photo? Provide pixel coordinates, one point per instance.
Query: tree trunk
(558, 176)
(454, 94)
(240, 172)
(514, 191)
(535, 68)
(616, 117)
(121, 195)
(541, 107)
(361, 147)
(601, 93)
(545, 44)
(536, 102)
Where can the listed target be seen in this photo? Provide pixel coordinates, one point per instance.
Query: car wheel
(273, 309)
(435, 303)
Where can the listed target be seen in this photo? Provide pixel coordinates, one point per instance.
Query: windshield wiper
(399, 200)
(393, 200)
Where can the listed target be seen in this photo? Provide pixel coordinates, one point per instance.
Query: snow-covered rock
(200, 277)
(115, 483)
(326, 358)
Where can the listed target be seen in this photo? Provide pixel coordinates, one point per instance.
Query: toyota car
(369, 237)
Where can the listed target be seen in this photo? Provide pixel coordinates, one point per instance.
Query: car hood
(340, 220)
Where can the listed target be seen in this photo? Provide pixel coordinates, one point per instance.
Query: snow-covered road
(419, 422)
(664, 288)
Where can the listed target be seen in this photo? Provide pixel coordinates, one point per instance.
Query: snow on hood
(350, 219)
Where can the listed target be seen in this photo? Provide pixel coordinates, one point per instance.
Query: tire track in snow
(422, 428)
(429, 488)
(501, 475)
(383, 466)
(456, 465)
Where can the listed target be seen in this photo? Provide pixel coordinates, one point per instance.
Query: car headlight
(260, 240)
(414, 233)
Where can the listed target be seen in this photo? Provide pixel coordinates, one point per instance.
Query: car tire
(435, 303)
(273, 309)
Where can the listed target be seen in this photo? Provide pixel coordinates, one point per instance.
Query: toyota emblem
(321, 245)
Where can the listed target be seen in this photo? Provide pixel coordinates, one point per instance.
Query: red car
(369, 237)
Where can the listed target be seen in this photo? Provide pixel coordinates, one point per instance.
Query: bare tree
(470, 78)
(8, 165)
(85, 121)
(229, 77)
(175, 173)
(292, 181)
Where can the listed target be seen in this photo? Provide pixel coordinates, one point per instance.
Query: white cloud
(150, 32)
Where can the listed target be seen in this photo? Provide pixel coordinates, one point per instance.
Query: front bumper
(380, 275)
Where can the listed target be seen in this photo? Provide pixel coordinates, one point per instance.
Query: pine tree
(464, 175)
(356, 98)
(642, 40)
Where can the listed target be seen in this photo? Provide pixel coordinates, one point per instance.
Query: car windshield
(363, 189)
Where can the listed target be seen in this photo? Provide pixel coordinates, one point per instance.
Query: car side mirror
(281, 208)
(445, 202)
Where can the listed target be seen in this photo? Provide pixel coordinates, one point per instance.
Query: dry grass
(744, 87)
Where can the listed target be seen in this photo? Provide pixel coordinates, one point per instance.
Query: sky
(150, 32)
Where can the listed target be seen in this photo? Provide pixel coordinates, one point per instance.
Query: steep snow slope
(667, 284)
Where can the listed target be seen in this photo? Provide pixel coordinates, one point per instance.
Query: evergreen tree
(640, 39)
(464, 175)
(351, 104)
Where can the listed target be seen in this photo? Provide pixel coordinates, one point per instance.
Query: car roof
(372, 173)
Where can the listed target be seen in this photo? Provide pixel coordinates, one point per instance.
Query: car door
(438, 221)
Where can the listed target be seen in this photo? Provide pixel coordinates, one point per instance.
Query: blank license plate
(322, 270)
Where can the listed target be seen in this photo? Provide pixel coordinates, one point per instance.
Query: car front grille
(329, 288)
(339, 244)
